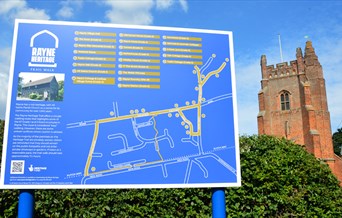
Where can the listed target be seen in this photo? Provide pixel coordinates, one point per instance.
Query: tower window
(285, 101)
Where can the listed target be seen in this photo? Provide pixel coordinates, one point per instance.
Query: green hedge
(35, 95)
(279, 179)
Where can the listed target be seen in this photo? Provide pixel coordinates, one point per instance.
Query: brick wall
(338, 168)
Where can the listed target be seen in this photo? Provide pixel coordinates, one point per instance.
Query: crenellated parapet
(282, 70)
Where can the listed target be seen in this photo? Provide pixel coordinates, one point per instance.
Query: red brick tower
(293, 104)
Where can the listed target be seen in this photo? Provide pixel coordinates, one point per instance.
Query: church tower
(293, 104)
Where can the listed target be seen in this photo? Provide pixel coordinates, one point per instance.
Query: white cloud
(5, 55)
(184, 5)
(65, 12)
(7, 6)
(247, 85)
(138, 12)
(130, 12)
(248, 77)
(31, 13)
(20, 10)
(164, 4)
(330, 56)
(69, 7)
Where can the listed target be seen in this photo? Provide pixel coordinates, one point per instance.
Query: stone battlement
(282, 69)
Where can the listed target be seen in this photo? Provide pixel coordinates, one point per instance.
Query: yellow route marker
(182, 62)
(183, 50)
(183, 38)
(94, 33)
(93, 71)
(129, 35)
(93, 80)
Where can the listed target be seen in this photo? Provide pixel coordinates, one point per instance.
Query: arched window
(285, 101)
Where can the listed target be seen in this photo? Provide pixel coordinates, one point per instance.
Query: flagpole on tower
(281, 51)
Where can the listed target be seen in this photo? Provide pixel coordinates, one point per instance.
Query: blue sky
(255, 26)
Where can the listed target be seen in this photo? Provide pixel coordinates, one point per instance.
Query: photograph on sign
(95, 105)
(40, 86)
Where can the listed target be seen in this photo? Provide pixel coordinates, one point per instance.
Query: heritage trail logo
(43, 45)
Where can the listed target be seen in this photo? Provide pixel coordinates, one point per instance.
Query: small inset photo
(40, 86)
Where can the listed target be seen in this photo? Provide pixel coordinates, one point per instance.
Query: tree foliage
(20, 85)
(337, 141)
(2, 129)
(60, 94)
(279, 179)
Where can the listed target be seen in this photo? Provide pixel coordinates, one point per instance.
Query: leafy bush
(39, 97)
(60, 95)
(337, 141)
(279, 179)
(33, 95)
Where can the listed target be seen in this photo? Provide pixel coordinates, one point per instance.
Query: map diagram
(112, 153)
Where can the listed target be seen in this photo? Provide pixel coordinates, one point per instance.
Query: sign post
(26, 203)
(218, 203)
(140, 106)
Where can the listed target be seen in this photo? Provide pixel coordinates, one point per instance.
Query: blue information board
(116, 106)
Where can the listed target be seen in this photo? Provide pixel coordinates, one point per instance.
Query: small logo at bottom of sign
(36, 169)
